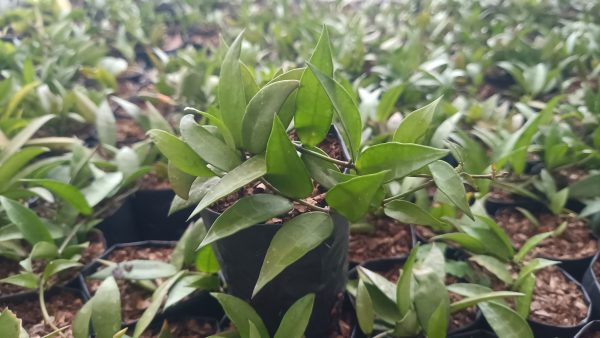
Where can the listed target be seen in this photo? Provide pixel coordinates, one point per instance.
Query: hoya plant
(252, 165)
(418, 304)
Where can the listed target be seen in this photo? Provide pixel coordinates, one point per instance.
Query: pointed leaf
(10, 325)
(292, 241)
(232, 99)
(353, 197)
(59, 265)
(106, 124)
(181, 183)
(179, 153)
(314, 111)
(285, 169)
(246, 212)
(106, 309)
(449, 183)
(505, 322)
(495, 266)
(15, 163)
(404, 286)
(260, 112)
(410, 213)
(415, 124)
(23, 136)
(27, 222)
(27, 280)
(401, 158)
(364, 308)
(81, 322)
(295, 320)
(474, 300)
(530, 244)
(66, 191)
(240, 313)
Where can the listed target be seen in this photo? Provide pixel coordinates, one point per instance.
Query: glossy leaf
(106, 124)
(314, 110)
(410, 213)
(495, 266)
(415, 125)
(59, 265)
(466, 241)
(353, 197)
(345, 109)
(15, 163)
(210, 148)
(250, 86)
(217, 122)
(232, 99)
(206, 261)
(404, 285)
(247, 172)
(523, 304)
(430, 295)
(474, 300)
(401, 158)
(320, 170)
(285, 170)
(137, 269)
(292, 241)
(246, 212)
(388, 102)
(294, 322)
(240, 313)
(531, 267)
(184, 253)
(181, 183)
(179, 153)
(67, 192)
(106, 312)
(505, 322)
(27, 280)
(260, 113)
(27, 222)
(81, 322)
(530, 244)
(451, 185)
(438, 321)
(102, 188)
(288, 110)
(364, 309)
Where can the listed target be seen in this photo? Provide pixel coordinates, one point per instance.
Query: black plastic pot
(322, 271)
(492, 205)
(200, 303)
(474, 334)
(120, 226)
(592, 286)
(543, 330)
(591, 327)
(151, 214)
(383, 265)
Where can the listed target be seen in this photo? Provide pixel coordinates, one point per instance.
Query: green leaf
(261, 111)
(232, 99)
(246, 212)
(157, 299)
(81, 322)
(495, 266)
(106, 309)
(27, 222)
(65, 191)
(466, 241)
(254, 333)
(314, 110)
(319, 169)
(505, 322)
(288, 110)
(415, 124)
(250, 86)
(523, 304)
(353, 197)
(240, 313)
(181, 183)
(345, 109)
(218, 123)
(27, 280)
(206, 261)
(106, 124)
(179, 153)
(57, 266)
(186, 285)
(558, 200)
(15, 163)
(247, 172)
(531, 267)
(529, 245)
(101, 188)
(285, 170)
(404, 286)
(388, 102)
(438, 322)
(430, 295)
(137, 269)
(292, 241)
(10, 325)
(410, 213)
(587, 187)
(23, 136)
(451, 185)
(294, 322)
(200, 187)
(17, 98)
(184, 253)
(210, 148)
(364, 309)
(401, 158)
(474, 300)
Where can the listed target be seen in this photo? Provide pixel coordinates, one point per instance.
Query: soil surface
(129, 132)
(151, 181)
(557, 300)
(458, 319)
(9, 267)
(186, 327)
(390, 239)
(134, 298)
(576, 241)
(62, 308)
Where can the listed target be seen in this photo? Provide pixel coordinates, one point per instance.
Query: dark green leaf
(410, 213)
(184, 253)
(495, 266)
(451, 185)
(292, 241)
(353, 197)
(404, 286)
(81, 322)
(588, 187)
(232, 99)
(106, 311)
(296, 318)
(27, 222)
(320, 169)
(415, 124)
(15, 163)
(388, 102)
(364, 309)
(181, 182)
(179, 153)
(65, 191)
(240, 313)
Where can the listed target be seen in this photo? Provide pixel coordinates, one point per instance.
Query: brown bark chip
(390, 239)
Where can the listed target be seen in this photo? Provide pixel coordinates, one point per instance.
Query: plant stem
(44, 310)
(408, 192)
(345, 164)
(69, 237)
(475, 176)
(310, 206)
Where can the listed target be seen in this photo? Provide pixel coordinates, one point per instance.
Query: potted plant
(246, 170)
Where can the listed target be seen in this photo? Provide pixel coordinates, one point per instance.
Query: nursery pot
(549, 330)
(152, 219)
(592, 286)
(321, 271)
(591, 327)
(120, 226)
